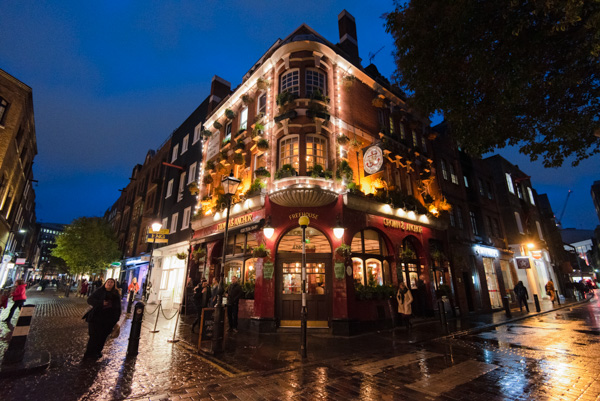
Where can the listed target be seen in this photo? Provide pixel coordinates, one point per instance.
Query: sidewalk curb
(516, 319)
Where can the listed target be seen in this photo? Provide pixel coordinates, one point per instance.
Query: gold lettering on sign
(236, 221)
(298, 215)
(402, 225)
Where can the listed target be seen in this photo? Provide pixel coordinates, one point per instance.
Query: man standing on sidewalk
(522, 295)
(234, 293)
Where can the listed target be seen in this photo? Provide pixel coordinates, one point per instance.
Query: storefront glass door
(492, 283)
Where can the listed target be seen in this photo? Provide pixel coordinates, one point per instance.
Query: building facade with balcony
(311, 132)
(18, 147)
(523, 225)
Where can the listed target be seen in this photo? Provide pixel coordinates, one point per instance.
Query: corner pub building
(311, 132)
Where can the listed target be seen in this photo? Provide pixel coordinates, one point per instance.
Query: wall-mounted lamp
(156, 226)
(338, 230)
(268, 231)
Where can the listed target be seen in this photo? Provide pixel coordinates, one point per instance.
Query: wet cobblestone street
(552, 356)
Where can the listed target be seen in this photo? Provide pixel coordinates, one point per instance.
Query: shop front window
(289, 152)
(410, 267)
(292, 278)
(316, 242)
(369, 251)
(250, 271)
(233, 268)
(358, 268)
(374, 272)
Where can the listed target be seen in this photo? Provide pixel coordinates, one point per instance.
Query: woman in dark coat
(105, 313)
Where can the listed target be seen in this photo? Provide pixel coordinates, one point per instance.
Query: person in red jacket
(18, 295)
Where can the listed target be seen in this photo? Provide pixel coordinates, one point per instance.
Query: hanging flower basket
(217, 125)
(207, 179)
(230, 114)
(198, 254)
(378, 102)
(263, 145)
(247, 99)
(407, 254)
(193, 188)
(262, 172)
(210, 165)
(206, 134)
(261, 251)
(238, 159)
(262, 83)
(342, 140)
(343, 251)
(181, 255)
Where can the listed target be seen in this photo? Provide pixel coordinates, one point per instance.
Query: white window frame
(290, 139)
(197, 133)
(181, 186)
(292, 85)
(174, 221)
(192, 173)
(314, 139)
(169, 189)
(244, 118)
(519, 223)
(228, 131)
(509, 183)
(453, 176)
(165, 222)
(309, 83)
(539, 230)
(175, 153)
(185, 223)
(185, 143)
(530, 192)
(262, 109)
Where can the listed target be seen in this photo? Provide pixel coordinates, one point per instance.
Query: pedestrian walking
(202, 296)
(550, 291)
(84, 288)
(522, 295)
(105, 312)
(19, 296)
(234, 293)
(133, 288)
(405, 299)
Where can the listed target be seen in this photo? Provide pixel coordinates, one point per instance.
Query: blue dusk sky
(113, 79)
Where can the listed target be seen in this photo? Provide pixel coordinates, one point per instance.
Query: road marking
(376, 367)
(451, 377)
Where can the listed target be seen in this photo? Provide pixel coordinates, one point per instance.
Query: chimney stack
(348, 40)
(219, 90)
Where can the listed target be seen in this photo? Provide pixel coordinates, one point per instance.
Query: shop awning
(246, 228)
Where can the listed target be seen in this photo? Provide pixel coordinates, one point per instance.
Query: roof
(573, 235)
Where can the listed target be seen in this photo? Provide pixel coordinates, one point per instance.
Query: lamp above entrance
(156, 226)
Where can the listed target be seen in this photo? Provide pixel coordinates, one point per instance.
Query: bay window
(316, 152)
(290, 82)
(315, 80)
(289, 152)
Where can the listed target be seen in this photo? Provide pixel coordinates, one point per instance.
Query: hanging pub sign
(523, 262)
(372, 160)
(268, 269)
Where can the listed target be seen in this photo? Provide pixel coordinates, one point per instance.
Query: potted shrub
(261, 251)
(193, 188)
(247, 99)
(261, 172)
(262, 83)
(210, 165)
(238, 159)
(207, 179)
(263, 145)
(217, 125)
(342, 140)
(343, 251)
(230, 114)
(285, 171)
(206, 134)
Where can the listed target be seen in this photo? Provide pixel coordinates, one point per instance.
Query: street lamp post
(230, 186)
(155, 227)
(304, 221)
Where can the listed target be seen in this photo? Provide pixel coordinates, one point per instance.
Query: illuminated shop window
(292, 278)
(369, 251)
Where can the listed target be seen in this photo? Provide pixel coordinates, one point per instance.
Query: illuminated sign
(402, 225)
(523, 262)
(236, 221)
(294, 216)
(485, 251)
(373, 160)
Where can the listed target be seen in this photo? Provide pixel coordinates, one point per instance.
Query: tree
(523, 73)
(88, 245)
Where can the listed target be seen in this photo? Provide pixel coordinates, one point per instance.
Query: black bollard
(537, 303)
(136, 329)
(442, 310)
(16, 347)
(506, 302)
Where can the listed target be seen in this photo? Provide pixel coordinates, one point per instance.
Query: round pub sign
(373, 160)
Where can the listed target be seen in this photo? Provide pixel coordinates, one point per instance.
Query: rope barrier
(155, 309)
(169, 318)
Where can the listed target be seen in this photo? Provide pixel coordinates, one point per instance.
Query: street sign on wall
(159, 237)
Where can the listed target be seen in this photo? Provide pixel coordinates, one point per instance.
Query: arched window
(289, 151)
(368, 261)
(316, 152)
(315, 79)
(290, 82)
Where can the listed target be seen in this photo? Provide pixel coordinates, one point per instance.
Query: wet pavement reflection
(542, 357)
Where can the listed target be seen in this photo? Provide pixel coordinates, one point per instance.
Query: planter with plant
(342, 140)
(407, 254)
(255, 188)
(285, 171)
(240, 146)
(198, 254)
(348, 81)
(262, 172)
(318, 172)
(193, 188)
(261, 251)
(262, 144)
(247, 99)
(238, 159)
(262, 83)
(207, 179)
(230, 114)
(217, 125)
(181, 255)
(258, 130)
(344, 171)
(206, 134)
(343, 251)
(354, 188)
(210, 165)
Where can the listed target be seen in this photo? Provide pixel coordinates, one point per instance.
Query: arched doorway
(289, 278)
(411, 272)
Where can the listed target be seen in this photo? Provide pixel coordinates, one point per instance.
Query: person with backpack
(522, 295)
